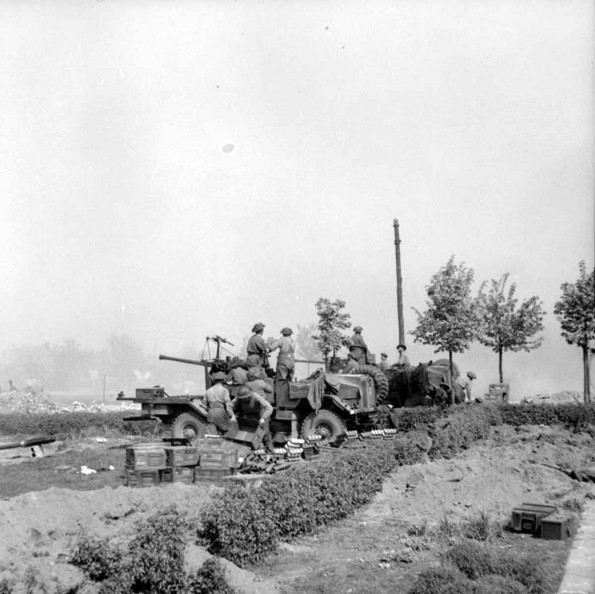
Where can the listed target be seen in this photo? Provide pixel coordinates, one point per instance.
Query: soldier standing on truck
(257, 348)
(286, 359)
(358, 347)
(252, 405)
(218, 403)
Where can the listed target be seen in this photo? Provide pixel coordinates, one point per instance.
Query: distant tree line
(70, 366)
(454, 317)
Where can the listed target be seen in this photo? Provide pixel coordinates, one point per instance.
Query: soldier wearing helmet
(218, 404)
(462, 387)
(286, 358)
(251, 405)
(257, 348)
(358, 347)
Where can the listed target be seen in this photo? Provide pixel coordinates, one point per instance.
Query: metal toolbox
(528, 516)
(556, 527)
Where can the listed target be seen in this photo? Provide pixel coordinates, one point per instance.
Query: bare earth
(39, 528)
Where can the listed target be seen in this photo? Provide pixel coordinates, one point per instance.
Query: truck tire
(380, 381)
(324, 423)
(189, 426)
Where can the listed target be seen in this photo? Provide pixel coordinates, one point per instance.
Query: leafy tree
(576, 314)
(451, 320)
(331, 322)
(306, 342)
(506, 327)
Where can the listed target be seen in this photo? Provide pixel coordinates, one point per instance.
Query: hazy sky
(176, 169)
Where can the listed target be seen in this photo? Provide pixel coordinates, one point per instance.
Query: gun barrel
(180, 360)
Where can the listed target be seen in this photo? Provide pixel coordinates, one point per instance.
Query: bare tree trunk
(586, 375)
(500, 366)
(450, 374)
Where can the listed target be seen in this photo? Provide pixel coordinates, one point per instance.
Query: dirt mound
(497, 476)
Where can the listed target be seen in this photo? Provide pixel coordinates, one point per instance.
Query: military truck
(325, 404)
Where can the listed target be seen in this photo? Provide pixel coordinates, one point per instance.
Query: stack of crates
(180, 463)
(144, 462)
(542, 520)
(528, 517)
(215, 461)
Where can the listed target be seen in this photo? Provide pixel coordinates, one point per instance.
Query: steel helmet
(218, 377)
(258, 327)
(357, 328)
(471, 374)
(286, 331)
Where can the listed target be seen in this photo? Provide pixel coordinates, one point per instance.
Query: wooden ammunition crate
(528, 517)
(145, 456)
(142, 478)
(206, 474)
(179, 474)
(181, 456)
(556, 527)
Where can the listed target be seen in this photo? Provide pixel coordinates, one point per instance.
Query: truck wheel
(380, 381)
(324, 423)
(189, 426)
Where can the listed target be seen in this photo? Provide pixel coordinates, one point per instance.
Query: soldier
(257, 348)
(403, 360)
(358, 347)
(462, 387)
(383, 362)
(257, 384)
(237, 375)
(251, 405)
(286, 359)
(218, 403)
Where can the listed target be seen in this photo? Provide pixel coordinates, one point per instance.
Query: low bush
(245, 526)
(569, 414)
(209, 579)
(459, 430)
(96, 557)
(443, 580)
(408, 419)
(480, 527)
(154, 561)
(477, 561)
(498, 584)
(74, 424)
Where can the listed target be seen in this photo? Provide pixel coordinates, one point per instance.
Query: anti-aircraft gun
(325, 404)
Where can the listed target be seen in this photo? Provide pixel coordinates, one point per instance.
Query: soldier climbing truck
(325, 404)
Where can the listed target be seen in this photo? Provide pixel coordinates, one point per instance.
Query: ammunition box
(181, 456)
(180, 474)
(142, 478)
(555, 527)
(145, 456)
(206, 474)
(527, 518)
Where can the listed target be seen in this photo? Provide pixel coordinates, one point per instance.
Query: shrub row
(153, 561)
(570, 414)
(245, 526)
(73, 424)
